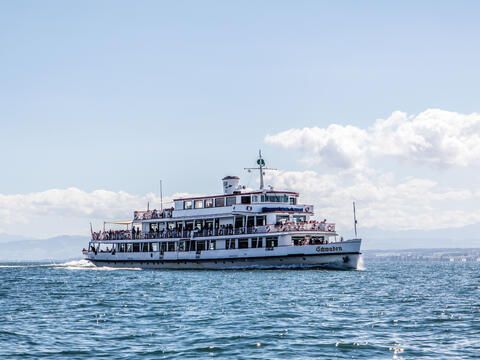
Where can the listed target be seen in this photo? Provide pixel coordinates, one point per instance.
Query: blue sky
(117, 94)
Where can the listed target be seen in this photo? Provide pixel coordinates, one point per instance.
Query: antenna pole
(260, 167)
(161, 196)
(354, 219)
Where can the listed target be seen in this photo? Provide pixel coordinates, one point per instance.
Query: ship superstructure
(240, 228)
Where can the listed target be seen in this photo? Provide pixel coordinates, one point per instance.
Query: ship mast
(261, 167)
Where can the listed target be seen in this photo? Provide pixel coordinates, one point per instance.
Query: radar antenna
(261, 167)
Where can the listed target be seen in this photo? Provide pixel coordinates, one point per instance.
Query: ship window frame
(263, 221)
(273, 242)
(187, 205)
(209, 203)
(257, 243)
(212, 244)
(231, 200)
(201, 245)
(220, 201)
(198, 204)
(245, 200)
(243, 243)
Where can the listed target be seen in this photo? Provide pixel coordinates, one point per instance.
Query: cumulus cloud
(434, 137)
(73, 202)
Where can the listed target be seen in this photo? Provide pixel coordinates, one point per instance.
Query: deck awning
(119, 222)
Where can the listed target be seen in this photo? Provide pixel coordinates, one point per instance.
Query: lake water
(393, 309)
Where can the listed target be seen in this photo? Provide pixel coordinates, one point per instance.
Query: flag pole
(354, 219)
(161, 196)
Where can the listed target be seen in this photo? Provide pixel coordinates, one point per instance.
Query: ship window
(201, 245)
(272, 241)
(136, 247)
(122, 247)
(293, 201)
(231, 200)
(238, 222)
(212, 245)
(187, 204)
(263, 198)
(298, 240)
(243, 243)
(171, 246)
(260, 220)
(317, 240)
(209, 203)
(144, 247)
(246, 200)
(198, 204)
(282, 218)
(181, 246)
(255, 198)
(230, 244)
(300, 218)
(155, 247)
(257, 242)
(219, 202)
(276, 198)
(129, 247)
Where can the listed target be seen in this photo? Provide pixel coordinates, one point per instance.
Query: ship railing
(224, 231)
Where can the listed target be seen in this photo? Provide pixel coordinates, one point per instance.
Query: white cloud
(50, 210)
(435, 137)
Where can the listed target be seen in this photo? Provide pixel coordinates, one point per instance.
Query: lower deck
(343, 254)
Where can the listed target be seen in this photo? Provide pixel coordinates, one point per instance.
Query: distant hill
(8, 238)
(57, 248)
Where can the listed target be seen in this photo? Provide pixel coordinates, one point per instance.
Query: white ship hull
(335, 255)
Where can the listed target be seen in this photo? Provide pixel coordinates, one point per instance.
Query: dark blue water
(391, 310)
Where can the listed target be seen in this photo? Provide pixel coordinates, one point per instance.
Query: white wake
(88, 265)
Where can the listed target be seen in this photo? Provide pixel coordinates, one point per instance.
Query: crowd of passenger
(209, 230)
(153, 214)
(306, 226)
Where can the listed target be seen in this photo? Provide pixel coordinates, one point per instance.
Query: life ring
(307, 209)
(330, 227)
(249, 208)
(267, 228)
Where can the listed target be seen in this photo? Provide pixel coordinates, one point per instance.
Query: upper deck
(226, 205)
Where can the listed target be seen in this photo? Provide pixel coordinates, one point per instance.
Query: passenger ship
(239, 229)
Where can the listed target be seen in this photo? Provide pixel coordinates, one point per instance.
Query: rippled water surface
(391, 310)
